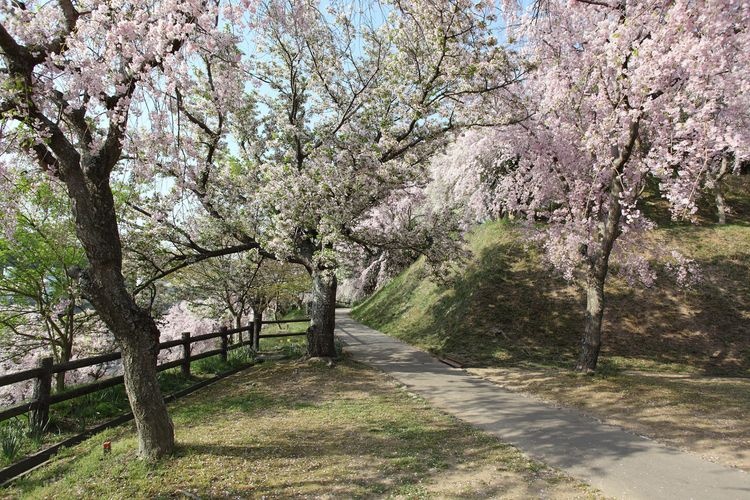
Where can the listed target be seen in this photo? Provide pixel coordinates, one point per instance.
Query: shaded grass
(736, 189)
(296, 430)
(508, 308)
(507, 316)
(69, 418)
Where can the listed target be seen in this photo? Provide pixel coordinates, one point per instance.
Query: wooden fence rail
(43, 397)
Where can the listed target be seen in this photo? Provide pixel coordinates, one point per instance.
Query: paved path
(619, 463)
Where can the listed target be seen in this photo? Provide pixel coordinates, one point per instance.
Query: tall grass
(12, 437)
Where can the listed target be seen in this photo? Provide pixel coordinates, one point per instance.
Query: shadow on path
(619, 463)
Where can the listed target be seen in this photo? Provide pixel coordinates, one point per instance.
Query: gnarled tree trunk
(320, 339)
(139, 353)
(133, 327)
(137, 335)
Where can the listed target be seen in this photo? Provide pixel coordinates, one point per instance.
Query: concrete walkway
(619, 463)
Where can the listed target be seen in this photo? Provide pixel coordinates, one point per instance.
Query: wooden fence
(43, 397)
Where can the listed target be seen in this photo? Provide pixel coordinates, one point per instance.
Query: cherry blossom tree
(240, 286)
(466, 176)
(623, 91)
(347, 105)
(71, 74)
(411, 224)
(179, 318)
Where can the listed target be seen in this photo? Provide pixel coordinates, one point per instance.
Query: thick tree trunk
(138, 338)
(133, 327)
(155, 430)
(322, 315)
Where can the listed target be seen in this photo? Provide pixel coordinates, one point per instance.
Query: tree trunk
(592, 334)
(66, 352)
(133, 327)
(370, 278)
(322, 315)
(155, 429)
(59, 382)
(598, 252)
(238, 324)
(137, 336)
(596, 276)
(721, 205)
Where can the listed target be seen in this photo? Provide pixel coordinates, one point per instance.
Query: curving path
(619, 463)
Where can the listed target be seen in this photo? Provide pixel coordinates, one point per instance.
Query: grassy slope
(506, 307)
(288, 430)
(513, 320)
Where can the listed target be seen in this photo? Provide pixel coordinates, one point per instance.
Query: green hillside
(506, 308)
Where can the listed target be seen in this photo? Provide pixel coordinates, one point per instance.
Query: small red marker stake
(107, 447)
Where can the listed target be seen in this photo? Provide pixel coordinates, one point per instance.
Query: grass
(291, 346)
(674, 364)
(506, 307)
(293, 430)
(12, 436)
(69, 418)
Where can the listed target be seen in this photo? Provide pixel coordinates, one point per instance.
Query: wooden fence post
(224, 343)
(256, 337)
(42, 390)
(185, 354)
